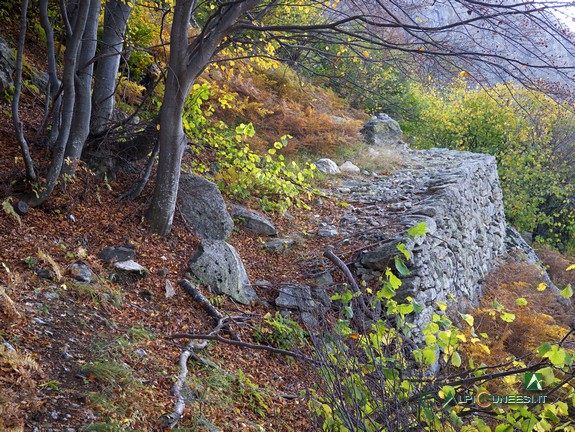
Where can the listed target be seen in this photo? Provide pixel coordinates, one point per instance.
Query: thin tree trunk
(54, 83)
(83, 103)
(74, 40)
(28, 163)
(172, 144)
(116, 17)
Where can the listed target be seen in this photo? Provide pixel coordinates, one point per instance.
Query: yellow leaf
(571, 267)
(542, 286)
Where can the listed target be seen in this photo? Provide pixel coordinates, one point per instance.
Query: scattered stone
(39, 320)
(141, 352)
(382, 130)
(81, 272)
(67, 356)
(21, 208)
(278, 244)
(50, 295)
(46, 274)
(163, 272)
(328, 231)
(218, 265)
(132, 267)
(8, 346)
(349, 168)
(253, 221)
(326, 166)
(311, 304)
(115, 254)
(170, 291)
(324, 280)
(203, 208)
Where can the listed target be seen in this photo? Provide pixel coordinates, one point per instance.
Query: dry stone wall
(458, 196)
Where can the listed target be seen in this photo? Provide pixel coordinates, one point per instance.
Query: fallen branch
(328, 253)
(170, 420)
(207, 306)
(242, 344)
(222, 324)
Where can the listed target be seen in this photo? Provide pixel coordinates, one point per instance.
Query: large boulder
(253, 221)
(326, 166)
(203, 208)
(382, 131)
(218, 265)
(7, 66)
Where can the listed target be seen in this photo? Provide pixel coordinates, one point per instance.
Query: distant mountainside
(531, 46)
(493, 41)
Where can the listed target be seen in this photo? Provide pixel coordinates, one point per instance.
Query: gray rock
(382, 130)
(218, 265)
(132, 267)
(51, 295)
(202, 207)
(349, 168)
(310, 303)
(326, 166)
(278, 244)
(170, 291)
(115, 254)
(40, 80)
(7, 66)
(253, 221)
(328, 231)
(81, 272)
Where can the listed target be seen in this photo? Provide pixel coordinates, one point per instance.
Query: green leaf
(521, 302)
(544, 348)
(400, 266)
(507, 317)
(418, 230)
(468, 319)
(567, 292)
(394, 281)
(386, 292)
(456, 359)
(556, 356)
(404, 251)
(504, 428)
(429, 355)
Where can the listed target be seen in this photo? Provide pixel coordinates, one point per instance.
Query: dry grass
(380, 160)
(279, 102)
(542, 319)
(556, 265)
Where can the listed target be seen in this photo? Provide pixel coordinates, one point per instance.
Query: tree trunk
(83, 103)
(172, 144)
(186, 63)
(73, 42)
(29, 164)
(54, 82)
(115, 21)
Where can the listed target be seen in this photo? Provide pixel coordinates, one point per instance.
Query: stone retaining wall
(458, 196)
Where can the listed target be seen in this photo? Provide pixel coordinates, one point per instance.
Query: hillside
(87, 346)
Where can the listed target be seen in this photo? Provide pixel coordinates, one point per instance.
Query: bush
(530, 135)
